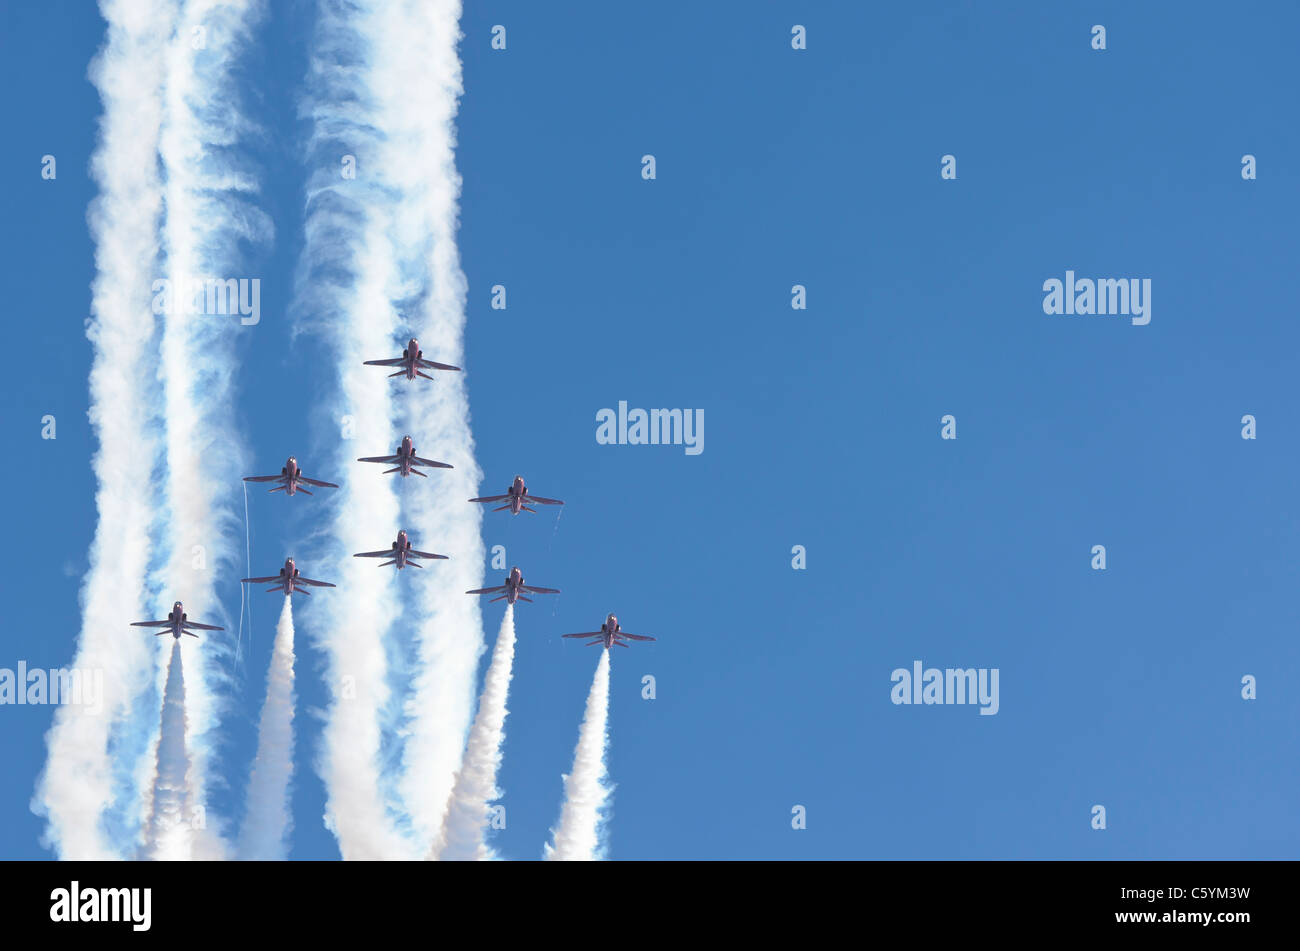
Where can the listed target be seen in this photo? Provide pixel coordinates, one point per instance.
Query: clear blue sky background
(778, 167)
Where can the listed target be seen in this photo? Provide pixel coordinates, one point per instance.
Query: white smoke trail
(343, 283)
(78, 785)
(385, 81)
(269, 820)
(463, 830)
(168, 834)
(207, 214)
(577, 837)
(420, 39)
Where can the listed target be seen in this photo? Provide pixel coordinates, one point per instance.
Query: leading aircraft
(411, 362)
(292, 478)
(400, 554)
(176, 624)
(519, 498)
(610, 634)
(289, 581)
(405, 460)
(512, 588)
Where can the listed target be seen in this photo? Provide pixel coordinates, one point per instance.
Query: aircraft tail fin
(398, 373)
(502, 508)
(384, 563)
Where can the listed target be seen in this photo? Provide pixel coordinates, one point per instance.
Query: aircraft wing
(386, 553)
(395, 362)
(202, 627)
(499, 587)
(318, 584)
(538, 498)
(425, 554)
(151, 623)
(536, 590)
(266, 580)
(317, 482)
(636, 637)
(491, 498)
(430, 365)
(588, 634)
(429, 462)
(274, 478)
(384, 459)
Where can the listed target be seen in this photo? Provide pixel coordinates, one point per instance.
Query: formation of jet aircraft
(610, 634)
(400, 553)
(518, 496)
(405, 460)
(289, 581)
(513, 589)
(177, 623)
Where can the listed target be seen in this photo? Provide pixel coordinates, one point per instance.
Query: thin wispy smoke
(464, 829)
(169, 833)
(79, 782)
(577, 836)
(269, 819)
(209, 211)
(343, 291)
(245, 604)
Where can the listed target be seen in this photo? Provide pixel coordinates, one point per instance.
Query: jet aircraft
(292, 480)
(289, 581)
(400, 553)
(405, 460)
(518, 496)
(513, 587)
(177, 624)
(610, 634)
(411, 362)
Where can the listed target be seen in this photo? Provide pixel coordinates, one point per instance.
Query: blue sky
(778, 167)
